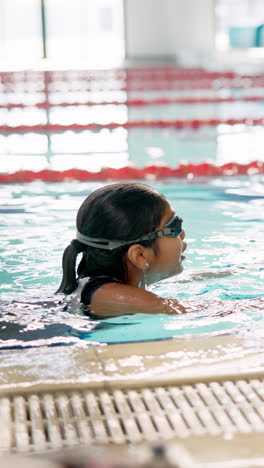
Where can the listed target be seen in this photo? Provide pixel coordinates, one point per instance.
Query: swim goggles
(172, 228)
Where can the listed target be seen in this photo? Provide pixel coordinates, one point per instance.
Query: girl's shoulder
(90, 285)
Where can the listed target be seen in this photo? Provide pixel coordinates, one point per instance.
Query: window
(77, 31)
(20, 30)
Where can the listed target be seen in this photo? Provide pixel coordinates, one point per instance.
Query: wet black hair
(122, 211)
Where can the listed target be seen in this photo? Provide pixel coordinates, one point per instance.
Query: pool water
(92, 150)
(223, 218)
(222, 280)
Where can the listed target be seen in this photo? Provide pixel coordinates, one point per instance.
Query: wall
(167, 27)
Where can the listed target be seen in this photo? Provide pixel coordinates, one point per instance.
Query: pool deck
(167, 362)
(203, 398)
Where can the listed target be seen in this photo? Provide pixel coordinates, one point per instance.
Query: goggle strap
(99, 243)
(107, 244)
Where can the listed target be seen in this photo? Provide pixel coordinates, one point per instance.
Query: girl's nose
(182, 235)
(184, 244)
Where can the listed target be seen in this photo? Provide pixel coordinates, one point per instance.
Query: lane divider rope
(151, 173)
(173, 124)
(137, 102)
(125, 85)
(144, 73)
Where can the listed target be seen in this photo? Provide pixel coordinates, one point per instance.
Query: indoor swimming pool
(131, 149)
(222, 279)
(127, 118)
(68, 379)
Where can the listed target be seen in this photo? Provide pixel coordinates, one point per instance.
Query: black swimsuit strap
(92, 285)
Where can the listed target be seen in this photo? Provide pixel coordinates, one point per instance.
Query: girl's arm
(113, 299)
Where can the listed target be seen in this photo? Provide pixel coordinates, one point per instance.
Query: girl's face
(167, 261)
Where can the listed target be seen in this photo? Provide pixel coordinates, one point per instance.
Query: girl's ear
(138, 256)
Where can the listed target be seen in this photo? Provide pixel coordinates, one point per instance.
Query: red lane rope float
(121, 71)
(144, 73)
(123, 85)
(140, 74)
(173, 124)
(128, 173)
(137, 102)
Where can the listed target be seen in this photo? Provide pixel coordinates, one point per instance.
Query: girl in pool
(129, 237)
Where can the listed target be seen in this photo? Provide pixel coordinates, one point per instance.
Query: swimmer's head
(122, 211)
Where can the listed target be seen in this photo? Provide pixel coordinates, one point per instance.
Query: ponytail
(69, 282)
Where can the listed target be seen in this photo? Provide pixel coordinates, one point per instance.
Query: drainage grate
(42, 421)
